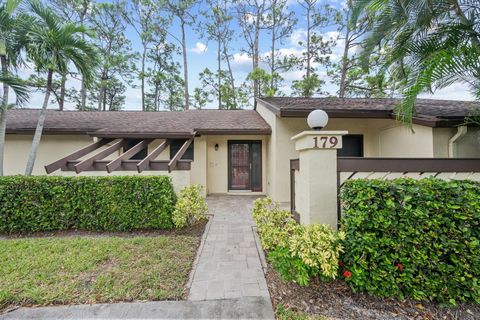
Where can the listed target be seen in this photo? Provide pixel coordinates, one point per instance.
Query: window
(352, 146)
(176, 144)
(140, 155)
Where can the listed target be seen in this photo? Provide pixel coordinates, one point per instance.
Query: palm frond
(444, 67)
(53, 44)
(428, 45)
(18, 86)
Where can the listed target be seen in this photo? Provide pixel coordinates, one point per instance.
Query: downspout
(461, 132)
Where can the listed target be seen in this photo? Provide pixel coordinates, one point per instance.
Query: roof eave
(142, 135)
(265, 131)
(434, 122)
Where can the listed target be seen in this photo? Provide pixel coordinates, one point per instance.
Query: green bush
(191, 206)
(297, 252)
(117, 203)
(413, 238)
(274, 225)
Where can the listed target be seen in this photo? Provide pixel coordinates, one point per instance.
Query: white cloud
(241, 62)
(297, 36)
(457, 91)
(293, 75)
(200, 48)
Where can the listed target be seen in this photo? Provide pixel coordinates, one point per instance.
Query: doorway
(245, 165)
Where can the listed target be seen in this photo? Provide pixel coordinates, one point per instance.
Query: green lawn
(41, 271)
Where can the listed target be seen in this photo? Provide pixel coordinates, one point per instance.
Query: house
(232, 151)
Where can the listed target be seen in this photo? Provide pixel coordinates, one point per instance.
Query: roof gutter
(461, 132)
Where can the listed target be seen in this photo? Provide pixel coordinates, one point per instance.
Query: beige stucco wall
(270, 150)
(441, 136)
(54, 147)
(51, 148)
(469, 145)
(400, 141)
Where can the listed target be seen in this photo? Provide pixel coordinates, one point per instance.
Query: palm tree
(9, 55)
(51, 45)
(432, 44)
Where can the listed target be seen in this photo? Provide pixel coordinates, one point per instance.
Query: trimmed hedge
(413, 238)
(117, 203)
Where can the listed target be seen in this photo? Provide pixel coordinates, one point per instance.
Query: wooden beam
(75, 155)
(172, 164)
(130, 165)
(85, 164)
(347, 164)
(114, 164)
(142, 165)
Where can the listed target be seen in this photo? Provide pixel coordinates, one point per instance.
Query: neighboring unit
(232, 151)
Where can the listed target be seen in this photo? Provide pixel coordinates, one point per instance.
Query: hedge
(413, 238)
(117, 203)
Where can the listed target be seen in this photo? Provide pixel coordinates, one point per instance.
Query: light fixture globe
(317, 119)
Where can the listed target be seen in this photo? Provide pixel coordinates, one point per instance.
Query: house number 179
(325, 142)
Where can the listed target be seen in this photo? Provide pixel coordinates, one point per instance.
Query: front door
(245, 165)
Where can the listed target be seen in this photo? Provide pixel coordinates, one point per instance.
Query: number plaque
(325, 142)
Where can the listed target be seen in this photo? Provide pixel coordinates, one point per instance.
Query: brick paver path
(229, 264)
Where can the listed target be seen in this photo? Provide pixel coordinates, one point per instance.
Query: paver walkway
(229, 264)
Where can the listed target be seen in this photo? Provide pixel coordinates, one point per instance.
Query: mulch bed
(336, 300)
(195, 230)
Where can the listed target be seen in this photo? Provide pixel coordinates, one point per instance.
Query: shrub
(297, 252)
(117, 203)
(413, 238)
(274, 225)
(191, 206)
(319, 247)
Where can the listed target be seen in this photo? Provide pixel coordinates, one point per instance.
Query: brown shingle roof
(131, 123)
(437, 112)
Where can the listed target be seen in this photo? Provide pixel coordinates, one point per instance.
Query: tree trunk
(101, 93)
(83, 89)
(272, 63)
(219, 69)
(343, 71)
(3, 112)
(155, 96)
(185, 66)
(230, 72)
(61, 101)
(308, 42)
(100, 98)
(38, 131)
(256, 84)
(83, 94)
(272, 67)
(144, 56)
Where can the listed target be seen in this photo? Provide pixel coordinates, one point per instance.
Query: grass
(43, 271)
(284, 313)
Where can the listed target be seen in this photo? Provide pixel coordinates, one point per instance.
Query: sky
(201, 54)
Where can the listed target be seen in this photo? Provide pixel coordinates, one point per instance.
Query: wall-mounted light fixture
(317, 119)
(216, 146)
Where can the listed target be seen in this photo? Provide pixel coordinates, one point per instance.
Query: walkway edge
(260, 251)
(199, 251)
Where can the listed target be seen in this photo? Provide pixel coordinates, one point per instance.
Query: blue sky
(201, 54)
